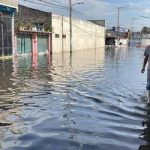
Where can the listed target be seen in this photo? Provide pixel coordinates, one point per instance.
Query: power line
(53, 4)
(83, 15)
(91, 33)
(45, 4)
(58, 2)
(62, 6)
(59, 5)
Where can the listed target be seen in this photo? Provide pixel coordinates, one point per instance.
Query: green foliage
(48, 28)
(145, 30)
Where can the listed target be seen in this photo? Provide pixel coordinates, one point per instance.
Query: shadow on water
(88, 100)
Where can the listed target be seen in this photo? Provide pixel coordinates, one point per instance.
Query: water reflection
(87, 100)
(10, 106)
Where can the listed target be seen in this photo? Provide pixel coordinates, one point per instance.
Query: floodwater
(90, 100)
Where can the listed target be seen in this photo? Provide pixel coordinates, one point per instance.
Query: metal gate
(24, 44)
(5, 34)
(42, 43)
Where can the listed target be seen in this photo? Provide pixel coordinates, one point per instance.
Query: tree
(145, 30)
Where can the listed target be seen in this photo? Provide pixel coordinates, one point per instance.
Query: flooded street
(91, 100)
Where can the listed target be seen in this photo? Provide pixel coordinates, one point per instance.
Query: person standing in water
(147, 59)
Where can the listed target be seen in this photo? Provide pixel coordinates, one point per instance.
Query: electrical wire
(45, 4)
(80, 14)
(58, 2)
(54, 4)
(61, 6)
(90, 33)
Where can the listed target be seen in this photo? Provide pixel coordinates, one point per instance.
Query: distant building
(42, 32)
(7, 10)
(117, 38)
(99, 22)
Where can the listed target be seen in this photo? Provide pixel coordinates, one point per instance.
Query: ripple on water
(85, 103)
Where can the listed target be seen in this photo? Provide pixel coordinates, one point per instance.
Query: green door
(42, 43)
(24, 44)
(18, 44)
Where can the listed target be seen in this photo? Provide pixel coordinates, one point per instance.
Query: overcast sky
(99, 10)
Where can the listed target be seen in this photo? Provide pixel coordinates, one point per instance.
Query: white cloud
(147, 11)
(96, 8)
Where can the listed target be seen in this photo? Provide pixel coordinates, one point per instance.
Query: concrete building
(99, 22)
(85, 34)
(42, 32)
(7, 10)
(33, 31)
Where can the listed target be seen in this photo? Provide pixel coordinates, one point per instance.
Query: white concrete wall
(85, 35)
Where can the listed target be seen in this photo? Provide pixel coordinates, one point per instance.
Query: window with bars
(5, 34)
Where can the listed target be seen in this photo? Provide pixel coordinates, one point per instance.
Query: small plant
(48, 28)
(29, 26)
(20, 25)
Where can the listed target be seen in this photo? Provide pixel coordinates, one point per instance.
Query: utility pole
(132, 28)
(118, 20)
(118, 9)
(70, 22)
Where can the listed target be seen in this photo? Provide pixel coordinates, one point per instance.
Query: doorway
(24, 44)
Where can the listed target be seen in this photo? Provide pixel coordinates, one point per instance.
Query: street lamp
(70, 20)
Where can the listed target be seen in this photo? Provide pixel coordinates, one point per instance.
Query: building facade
(32, 31)
(42, 32)
(85, 34)
(7, 10)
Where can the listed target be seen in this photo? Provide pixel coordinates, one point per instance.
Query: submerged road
(91, 100)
